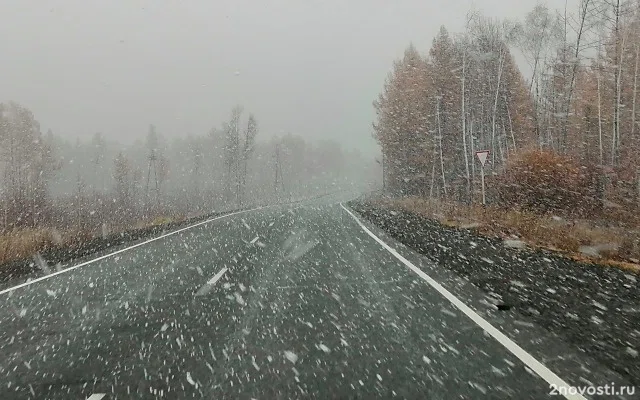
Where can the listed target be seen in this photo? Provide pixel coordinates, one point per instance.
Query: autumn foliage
(545, 181)
(578, 110)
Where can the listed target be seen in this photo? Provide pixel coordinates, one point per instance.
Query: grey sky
(310, 67)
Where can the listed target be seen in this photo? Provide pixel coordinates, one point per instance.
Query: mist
(129, 104)
(309, 68)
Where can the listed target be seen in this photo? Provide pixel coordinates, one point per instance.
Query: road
(278, 303)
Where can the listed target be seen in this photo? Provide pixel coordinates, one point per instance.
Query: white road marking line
(96, 396)
(207, 286)
(535, 365)
(42, 278)
(217, 276)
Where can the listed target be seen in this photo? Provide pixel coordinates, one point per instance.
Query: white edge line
(96, 396)
(42, 278)
(545, 373)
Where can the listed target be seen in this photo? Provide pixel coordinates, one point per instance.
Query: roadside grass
(26, 242)
(23, 243)
(579, 239)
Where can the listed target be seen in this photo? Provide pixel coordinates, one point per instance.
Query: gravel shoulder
(594, 308)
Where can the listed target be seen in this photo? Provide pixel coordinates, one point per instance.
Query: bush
(161, 220)
(548, 182)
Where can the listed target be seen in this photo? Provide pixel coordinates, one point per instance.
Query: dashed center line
(206, 288)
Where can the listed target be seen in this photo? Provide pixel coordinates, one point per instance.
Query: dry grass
(617, 246)
(25, 243)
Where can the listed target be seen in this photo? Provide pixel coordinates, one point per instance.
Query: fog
(319, 198)
(310, 68)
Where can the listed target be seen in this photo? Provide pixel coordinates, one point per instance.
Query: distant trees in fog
(27, 166)
(89, 184)
(239, 146)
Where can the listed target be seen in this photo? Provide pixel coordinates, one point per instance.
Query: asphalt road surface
(277, 303)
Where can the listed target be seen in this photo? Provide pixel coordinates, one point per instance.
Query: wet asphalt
(279, 303)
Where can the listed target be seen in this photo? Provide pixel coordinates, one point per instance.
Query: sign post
(482, 156)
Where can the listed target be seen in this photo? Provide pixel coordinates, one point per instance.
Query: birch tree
(27, 166)
(537, 37)
(247, 149)
(232, 153)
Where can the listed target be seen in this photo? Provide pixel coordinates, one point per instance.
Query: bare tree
(247, 149)
(635, 90)
(599, 88)
(539, 34)
(582, 27)
(439, 125)
(28, 165)
(232, 152)
(278, 184)
(196, 154)
(122, 176)
(80, 202)
(464, 44)
(99, 151)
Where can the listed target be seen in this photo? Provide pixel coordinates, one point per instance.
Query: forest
(553, 98)
(59, 192)
(468, 94)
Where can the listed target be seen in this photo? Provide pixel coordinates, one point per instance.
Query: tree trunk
(567, 108)
(633, 117)
(244, 180)
(433, 171)
(513, 138)
(600, 113)
(500, 146)
(444, 181)
(473, 154)
(615, 150)
(495, 108)
(464, 129)
(635, 91)
(228, 183)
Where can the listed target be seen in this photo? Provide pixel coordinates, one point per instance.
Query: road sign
(482, 156)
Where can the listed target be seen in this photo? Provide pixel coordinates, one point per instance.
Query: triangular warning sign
(482, 156)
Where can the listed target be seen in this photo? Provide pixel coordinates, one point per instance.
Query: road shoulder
(450, 260)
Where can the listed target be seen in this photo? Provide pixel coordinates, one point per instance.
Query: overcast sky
(311, 67)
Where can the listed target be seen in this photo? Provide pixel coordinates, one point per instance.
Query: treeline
(92, 185)
(468, 94)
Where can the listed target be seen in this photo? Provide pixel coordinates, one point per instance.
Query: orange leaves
(547, 182)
